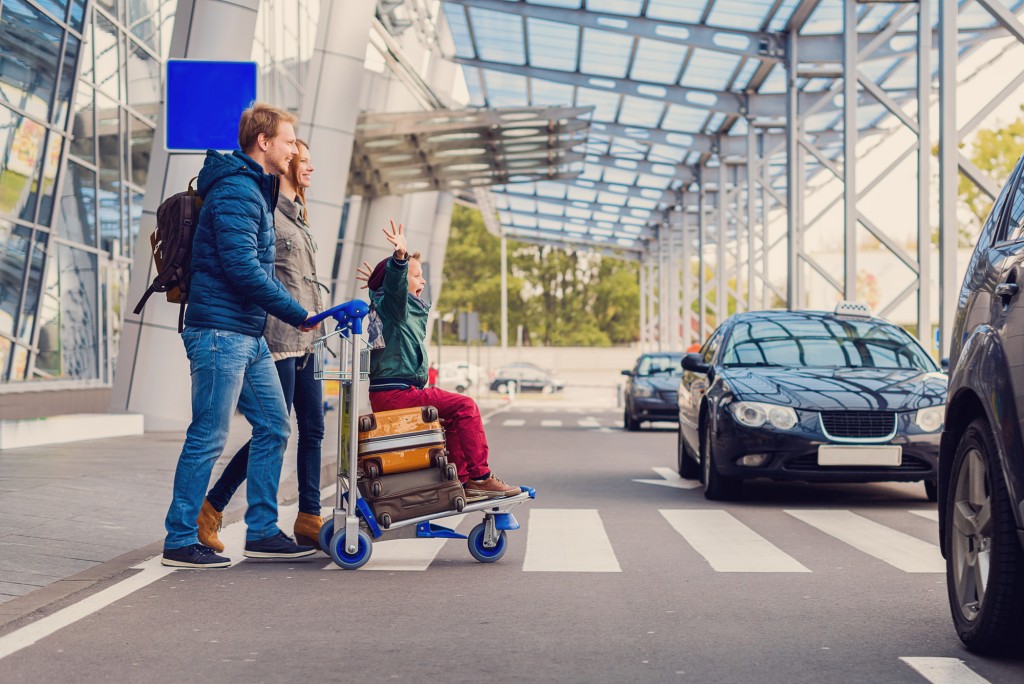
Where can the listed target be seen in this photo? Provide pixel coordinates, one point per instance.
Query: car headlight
(755, 414)
(643, 392)
(930, 419)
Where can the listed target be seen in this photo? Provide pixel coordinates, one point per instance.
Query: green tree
(994, 151)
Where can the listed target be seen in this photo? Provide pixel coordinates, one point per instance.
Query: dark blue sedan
(651, 389)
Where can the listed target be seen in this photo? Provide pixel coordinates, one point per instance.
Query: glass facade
(81, 86)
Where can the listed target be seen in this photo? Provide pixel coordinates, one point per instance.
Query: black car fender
(980, 384)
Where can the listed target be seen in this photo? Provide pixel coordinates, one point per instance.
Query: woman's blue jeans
(302, 389)
(228, 370)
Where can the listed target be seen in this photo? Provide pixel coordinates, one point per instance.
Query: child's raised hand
(396, 236)
(363, 273)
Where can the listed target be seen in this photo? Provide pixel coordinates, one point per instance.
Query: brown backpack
(176, 221)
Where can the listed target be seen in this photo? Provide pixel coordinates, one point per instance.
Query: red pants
(463, 429)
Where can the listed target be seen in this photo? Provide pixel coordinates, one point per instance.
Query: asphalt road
(610, 579)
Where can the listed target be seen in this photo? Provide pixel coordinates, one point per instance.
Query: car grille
(858, 424)
(809, 463)
(668, 397)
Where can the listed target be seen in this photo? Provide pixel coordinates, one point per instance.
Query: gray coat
(295, 267)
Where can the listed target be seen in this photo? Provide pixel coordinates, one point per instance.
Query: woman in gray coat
(295, 267)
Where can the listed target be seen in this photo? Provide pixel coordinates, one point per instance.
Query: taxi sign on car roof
(852, 309)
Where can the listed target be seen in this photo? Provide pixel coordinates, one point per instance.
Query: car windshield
(823, 342)
(662, 365)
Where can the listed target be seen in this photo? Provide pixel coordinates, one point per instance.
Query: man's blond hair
(260, 119)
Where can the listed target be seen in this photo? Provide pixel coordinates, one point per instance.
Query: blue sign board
(204, 101)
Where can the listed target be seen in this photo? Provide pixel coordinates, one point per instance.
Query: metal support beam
(948, 174)
(850, 151)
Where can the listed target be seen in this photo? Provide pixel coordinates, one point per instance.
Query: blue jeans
(229, 369)
(299, 386)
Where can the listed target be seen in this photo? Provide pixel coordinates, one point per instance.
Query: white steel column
(701, 234)
(721, 274)
(849, 151)
(794, 177)
(948, 171)
(924, 154)
(152, 376)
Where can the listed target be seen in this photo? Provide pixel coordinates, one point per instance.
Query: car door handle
(1007, 290)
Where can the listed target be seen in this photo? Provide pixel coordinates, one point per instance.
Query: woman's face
(304, 168)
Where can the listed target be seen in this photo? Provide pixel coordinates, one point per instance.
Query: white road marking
(589, 422)
(671, 479)
(44, 627)
(900, 550)
(406, 554)
(944, 671)
(568, 540)
(551, 423)
(928, 515)
(727, 544)
(514, 422)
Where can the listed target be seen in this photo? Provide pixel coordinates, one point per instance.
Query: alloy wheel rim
(971, 535)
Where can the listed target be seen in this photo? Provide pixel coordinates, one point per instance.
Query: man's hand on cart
(396, 236)
(307, 325)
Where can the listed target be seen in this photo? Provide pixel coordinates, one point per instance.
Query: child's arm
(396, 276)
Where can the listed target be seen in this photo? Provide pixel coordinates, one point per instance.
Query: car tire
(717, 487)
(931, 490)
(460, 389)
(631, 423)
(501, 388)
(687, 467)
(988, 612)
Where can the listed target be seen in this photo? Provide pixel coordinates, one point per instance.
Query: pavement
(73, 515)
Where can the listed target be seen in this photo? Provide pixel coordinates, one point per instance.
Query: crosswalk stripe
(944, 670)
(514, 422)
(568, 540)
(900, 550)
(406, 554)
(928, 515)
(588, 422)
(551, 423)
(727, 544)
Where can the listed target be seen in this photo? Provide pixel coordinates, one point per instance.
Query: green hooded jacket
(402, 363)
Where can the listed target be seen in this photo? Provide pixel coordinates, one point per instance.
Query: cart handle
(349, 315)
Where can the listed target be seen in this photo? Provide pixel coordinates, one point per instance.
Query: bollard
(511, 392)
(618, 395)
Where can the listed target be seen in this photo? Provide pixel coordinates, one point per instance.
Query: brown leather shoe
(307, 529)
(209, 522)
(490, 488)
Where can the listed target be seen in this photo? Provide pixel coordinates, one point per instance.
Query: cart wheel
(385, 520)
(326, 532)
(482, 553)
(355, 560)
(460, 504)
(375, 488)
(372, 470)
(451, 472)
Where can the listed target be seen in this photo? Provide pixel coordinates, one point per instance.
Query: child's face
(416, 281)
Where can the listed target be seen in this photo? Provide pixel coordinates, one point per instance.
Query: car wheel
(501, 388)
(460, 388)
(688, 468)
(717, 487)
(984, 559)
(631, 423)
(931, 490)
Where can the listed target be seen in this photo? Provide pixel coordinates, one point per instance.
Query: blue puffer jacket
(233, 285)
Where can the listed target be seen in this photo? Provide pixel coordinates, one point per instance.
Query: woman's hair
(258, 119)
(293, 176)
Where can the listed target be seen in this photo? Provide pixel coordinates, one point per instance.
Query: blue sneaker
(278, 546)
(194, 556)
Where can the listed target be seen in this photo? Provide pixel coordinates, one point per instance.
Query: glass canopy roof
(670, 82)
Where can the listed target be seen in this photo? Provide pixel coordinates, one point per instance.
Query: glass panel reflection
(140, 145)
(77, 14)
(110, 212)
(23, 138)
(50, 164)
(30, 45)
(144, 85)
(5, 354)
(35, 282)
(146, 18)
(83, 143)
(14, 244)
(19, 364)
(67, 335)
(67, 82)
(108, 57)
(78, 205)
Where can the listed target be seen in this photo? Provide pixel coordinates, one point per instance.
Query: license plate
(832, 455)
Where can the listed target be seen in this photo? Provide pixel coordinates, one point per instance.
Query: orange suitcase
(400, 441)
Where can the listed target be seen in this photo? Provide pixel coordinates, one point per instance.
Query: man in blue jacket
(232, 290)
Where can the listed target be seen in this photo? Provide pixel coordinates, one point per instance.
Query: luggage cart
(349, 532)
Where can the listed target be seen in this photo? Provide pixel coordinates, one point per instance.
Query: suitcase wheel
(373, 469)
(375, 488)
(385, 520)
(460, 504)
(367, 423)
(451, 472)
(439, 457)
(429, 414)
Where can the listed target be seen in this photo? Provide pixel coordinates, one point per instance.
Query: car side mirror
(945, 364)
(695, 363)
(627, 372)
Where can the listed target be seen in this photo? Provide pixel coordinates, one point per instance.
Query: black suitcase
(398, 497)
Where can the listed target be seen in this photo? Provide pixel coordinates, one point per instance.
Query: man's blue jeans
(228, 370)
